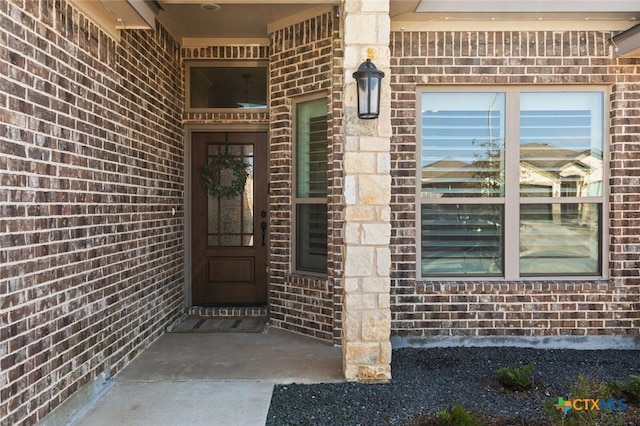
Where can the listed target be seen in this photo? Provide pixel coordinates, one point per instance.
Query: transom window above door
(213, 85)
(511, 183)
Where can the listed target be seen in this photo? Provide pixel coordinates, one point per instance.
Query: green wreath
(210, 176)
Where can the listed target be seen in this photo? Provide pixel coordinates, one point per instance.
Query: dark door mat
(222, 325)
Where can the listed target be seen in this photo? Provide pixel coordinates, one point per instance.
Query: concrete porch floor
(212, 378)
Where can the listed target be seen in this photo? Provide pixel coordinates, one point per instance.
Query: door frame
(188, 186)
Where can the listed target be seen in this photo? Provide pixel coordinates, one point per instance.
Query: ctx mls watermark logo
(590, 405)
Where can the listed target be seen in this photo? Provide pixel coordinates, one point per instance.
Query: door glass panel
(230, 219)
(231, 209)
(230, 240)
(247, 198)
(213, 217)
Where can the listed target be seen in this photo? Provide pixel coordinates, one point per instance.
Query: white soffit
(528, 6)
(519, 15)
(492, 23)
(115, 15)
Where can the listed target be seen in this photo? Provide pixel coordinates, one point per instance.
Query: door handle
(263, 226)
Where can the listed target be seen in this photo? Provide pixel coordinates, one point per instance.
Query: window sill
(307, 280)
(431, 286)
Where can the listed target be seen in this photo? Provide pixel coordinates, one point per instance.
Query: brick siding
(91, 166)
(305, 58)
(527, 308)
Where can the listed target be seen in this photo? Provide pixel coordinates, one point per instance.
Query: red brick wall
(527, 308)
(91, 166)
(305, 58)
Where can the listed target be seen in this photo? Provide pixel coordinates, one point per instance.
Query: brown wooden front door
(229, 235)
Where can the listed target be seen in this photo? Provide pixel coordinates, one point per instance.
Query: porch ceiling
(245, 20)
(190, 20)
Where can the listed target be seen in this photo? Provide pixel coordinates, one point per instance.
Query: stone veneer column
(366, 352)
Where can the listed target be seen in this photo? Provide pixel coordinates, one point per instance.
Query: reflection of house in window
(551, 188)
(553, 172)
(544, 172)
(446, 178)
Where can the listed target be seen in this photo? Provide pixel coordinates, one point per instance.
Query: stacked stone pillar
(367, 194)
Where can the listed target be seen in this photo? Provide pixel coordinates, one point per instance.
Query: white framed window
(225, 85)
(310, 185)
(511, 182)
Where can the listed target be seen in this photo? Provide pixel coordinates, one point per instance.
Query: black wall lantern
(368, 78)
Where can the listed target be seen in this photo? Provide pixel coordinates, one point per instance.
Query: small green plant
(516, 378)
(458, 416)
(630, 389)
(585, 389)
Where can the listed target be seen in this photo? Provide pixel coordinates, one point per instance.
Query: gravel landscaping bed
(426, 381)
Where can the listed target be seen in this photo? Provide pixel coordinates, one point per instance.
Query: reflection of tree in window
(465, 144)
(553, 172)
(487, 168)
(467, 151)
(557, 180)
(560, 160)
